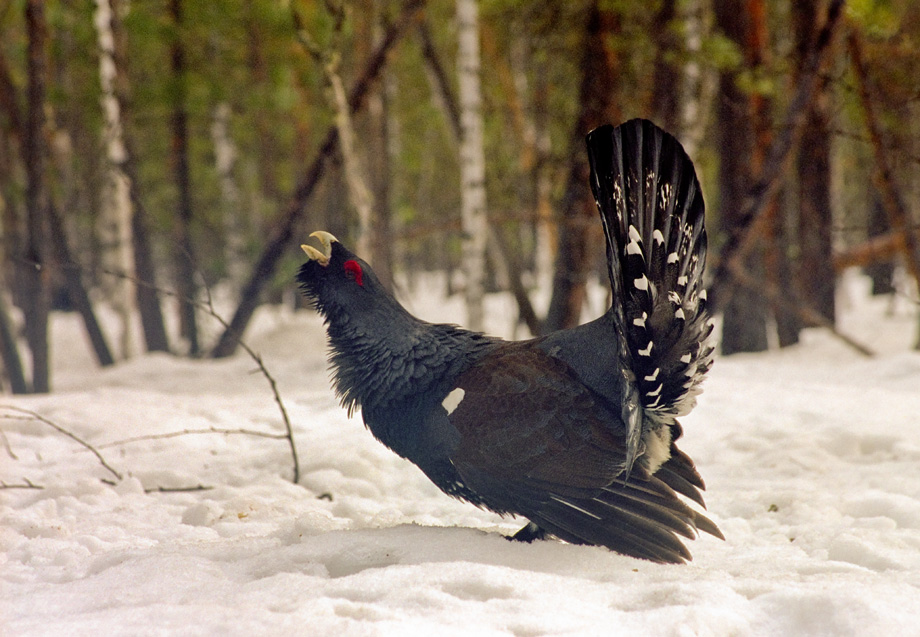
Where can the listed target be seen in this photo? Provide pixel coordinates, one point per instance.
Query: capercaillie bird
(576, 430)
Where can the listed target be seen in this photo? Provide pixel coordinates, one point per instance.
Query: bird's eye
(353, 272)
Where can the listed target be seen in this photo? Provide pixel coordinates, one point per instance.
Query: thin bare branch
(289, 435)
(200, 487)
(26, 484)
(6, 446)
(36, 416)
(192, 432)
(208, 307)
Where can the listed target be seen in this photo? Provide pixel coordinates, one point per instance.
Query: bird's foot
(528, 534)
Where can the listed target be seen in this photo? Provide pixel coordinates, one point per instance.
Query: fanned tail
(652, 212)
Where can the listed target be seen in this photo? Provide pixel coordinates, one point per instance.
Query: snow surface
(810, 454)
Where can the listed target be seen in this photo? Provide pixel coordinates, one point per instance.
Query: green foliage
(879, 18)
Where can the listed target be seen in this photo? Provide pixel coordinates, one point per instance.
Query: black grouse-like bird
(574, 431)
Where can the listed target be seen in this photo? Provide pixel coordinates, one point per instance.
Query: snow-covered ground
(811, 457)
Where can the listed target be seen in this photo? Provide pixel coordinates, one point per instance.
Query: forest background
(162, 160)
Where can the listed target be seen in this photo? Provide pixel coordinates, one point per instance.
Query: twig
(6, 445)
(200, 487)
(27, 484)
(209, 306)
(35, 416)
(190, 432)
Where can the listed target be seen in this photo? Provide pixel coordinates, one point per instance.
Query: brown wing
(537, 442)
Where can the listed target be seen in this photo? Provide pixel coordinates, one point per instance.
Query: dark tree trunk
(379, 171)
(881, 272)
(11, 222)
(580, 229)
(667, 79)
(76, 291)
(779, 264)
(816, 277)
(745, 312)
(10, 351)
(148, 297)
(37, 285)
(184, 259)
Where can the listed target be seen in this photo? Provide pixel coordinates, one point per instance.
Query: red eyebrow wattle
(354, 268)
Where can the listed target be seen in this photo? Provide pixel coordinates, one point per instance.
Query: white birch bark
(355, 176)
(698, 84)
(225, 156)
(114, 224)
(472, 161)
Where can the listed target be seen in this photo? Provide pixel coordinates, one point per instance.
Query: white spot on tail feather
(641, 283)
(658, 237)
(679, 313)
(635, 241)
(682, 280)
(673, 258)
(651, 377)
(640, 322)
(686, 358)
(453, 400)
(647, 351)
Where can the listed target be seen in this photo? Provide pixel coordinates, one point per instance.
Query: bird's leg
(528, 534)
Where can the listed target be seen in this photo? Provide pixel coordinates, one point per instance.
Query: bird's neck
(384, 358)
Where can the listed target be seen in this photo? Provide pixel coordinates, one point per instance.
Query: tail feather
(652, 213)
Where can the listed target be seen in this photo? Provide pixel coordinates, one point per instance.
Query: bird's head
(337, 282)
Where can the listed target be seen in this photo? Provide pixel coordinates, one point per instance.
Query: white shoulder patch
(453, 400)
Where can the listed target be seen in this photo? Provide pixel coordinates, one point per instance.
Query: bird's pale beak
(325, 240)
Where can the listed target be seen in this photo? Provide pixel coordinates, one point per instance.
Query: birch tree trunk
(144, 273)
(329, 57)
(9, 351)
(355, 176)
(225, 156)
(114, 224)
(697, 85)
(472, 161)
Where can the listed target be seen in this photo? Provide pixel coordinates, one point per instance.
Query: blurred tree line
(154, 151)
